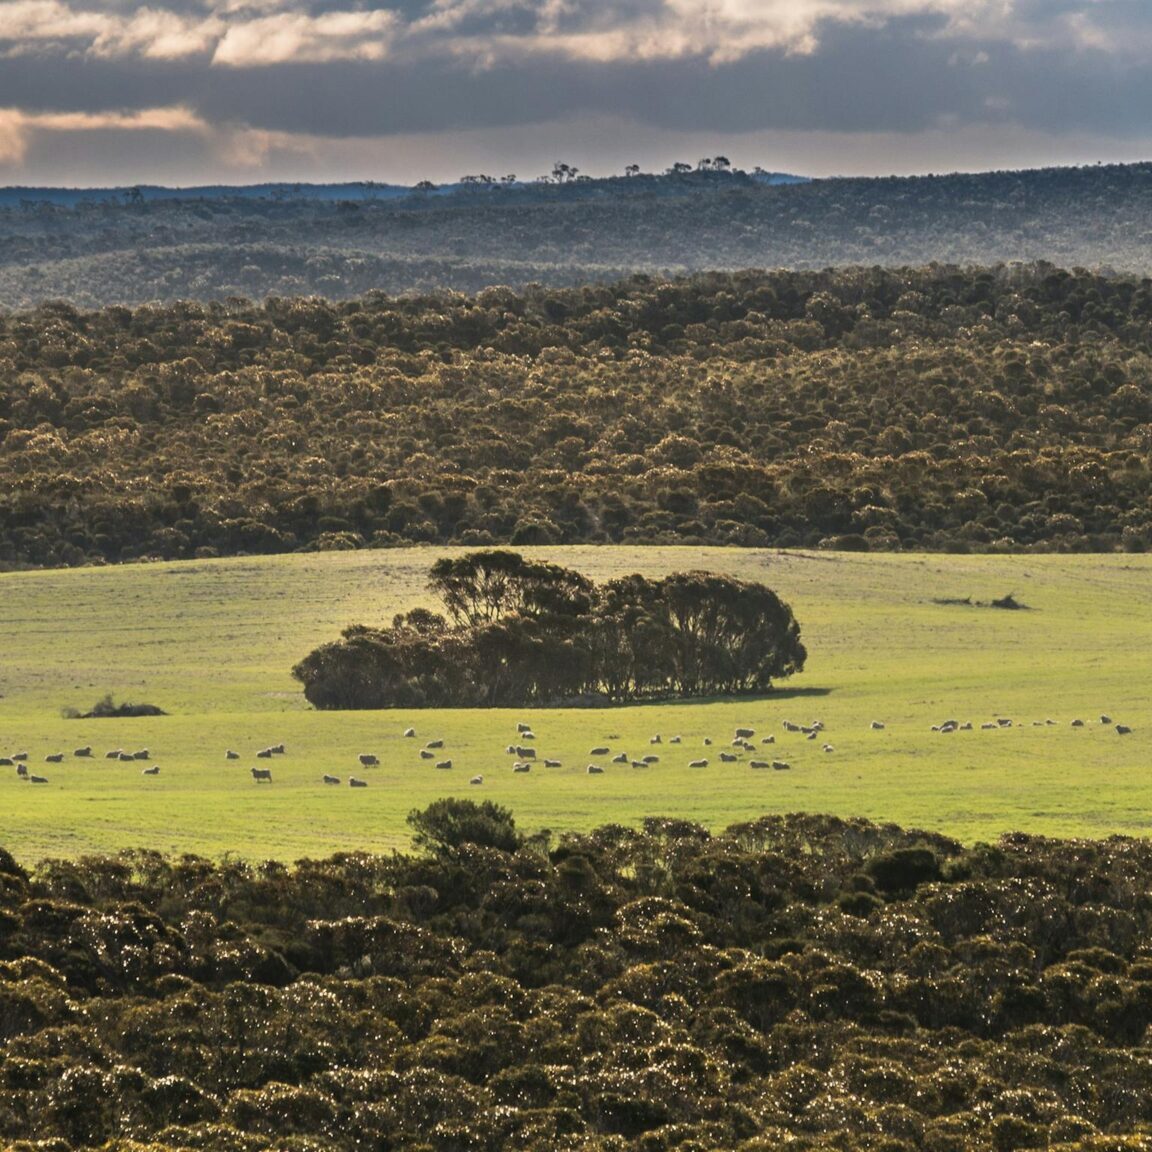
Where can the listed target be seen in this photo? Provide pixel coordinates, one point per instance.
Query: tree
(446, 825)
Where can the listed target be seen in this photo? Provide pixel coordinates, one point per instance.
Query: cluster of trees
(568, 230)
(527, 632)
(794, 981)
(984, 409)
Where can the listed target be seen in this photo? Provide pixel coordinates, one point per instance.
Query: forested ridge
(1001, 408)
(795, 982)
(144, 249)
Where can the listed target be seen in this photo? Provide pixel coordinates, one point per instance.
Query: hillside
(1000, 409)
(211, 245)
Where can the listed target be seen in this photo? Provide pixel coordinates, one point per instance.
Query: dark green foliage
(979, 409)
(661, 988)
(533, 633)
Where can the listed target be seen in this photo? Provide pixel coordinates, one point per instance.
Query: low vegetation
(996, 409)
(527, 632)
(792, 981)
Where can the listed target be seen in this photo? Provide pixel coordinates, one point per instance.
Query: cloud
(293, 37)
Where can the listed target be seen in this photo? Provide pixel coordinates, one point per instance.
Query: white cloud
(293, 37)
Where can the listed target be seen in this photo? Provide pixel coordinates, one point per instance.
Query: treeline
(527, 632)
(1005, 408)
(212, 247)
(798, 982)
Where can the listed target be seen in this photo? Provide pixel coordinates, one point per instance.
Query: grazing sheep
(141, 755)
(1050, 722)
(707, 741)
(745, 733)
(639, 764)
(277, 749)
(552, 764)
(650, 759)
(613, 736)
(619, 758)
(991, 726)
(768, 740)
(525, 753)
(1105, 719)
(409, 732)
(781, 765)
(426, 755)
(259, 774)
(812, 735)
(697, 763)
(85, 751)
(444, 764)
(966, 726)
(599, 751)
(37, 779)
(673, 739)
(594, 770)
(356, 782)
(230, 755)
(434, 744)
(126, 758)
(654, 739)
(790, 727)
(331, 779)
(54, 758)
(1003, 722)
(829, 748)
(1077, 723)
(264, 754)
(528, 735)
(476, 780)
(153, 771)
(876, 726)
(521, 728)
(1122, 729)
(511, 750)
(115, 754)
(22, 770)
(19, 755)
(368, 760)
(759, 764)
(728, 757)
(521, 767)
(6, 761)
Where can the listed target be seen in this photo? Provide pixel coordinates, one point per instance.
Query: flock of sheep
(524, 754)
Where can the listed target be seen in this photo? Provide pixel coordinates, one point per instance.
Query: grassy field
(213, 642)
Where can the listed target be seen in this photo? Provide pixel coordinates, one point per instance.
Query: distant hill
(98, 247)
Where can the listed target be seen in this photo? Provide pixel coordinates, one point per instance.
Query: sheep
(639, 764)
(991, 726)
(115, 754)
(19, 755)
(525, 753)
(745, 733)
(552, 764)
(368, 760)
(409, 732)
(445, 764)
(6, 761)
(620, 758)
(790, 727)
(594, 770)
(141, 755)
(1003, 722)
(877, 726)
(966, 726)
(331, 779)
(650, 759)
(1122, 729)
(813, 734)
(654, 739)
(230, 755)
(781, 765)
(829, 748)
(521, 728)
(697, 763)
(521, 767)
(356, 782)
(768, 740)
(426, 755)
(673, 739)
(54, 758)
(1105, 719)
(264, 754)
(476, 780)
(277, 749)
(259, 774)
(528, 735)
(599, 751)
(153, 771)
(728, 757)
(1077, 723)
(38, 779)
(434, 744)
(126, 758)
(511, 750)
(759, 764)
(22, 770)
(707, 741)
(85, 751)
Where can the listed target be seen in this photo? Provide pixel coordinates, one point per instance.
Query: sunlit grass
(213, 642)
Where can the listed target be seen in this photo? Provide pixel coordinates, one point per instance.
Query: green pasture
(213, 642)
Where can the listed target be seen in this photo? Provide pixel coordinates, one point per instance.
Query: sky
(187, 92)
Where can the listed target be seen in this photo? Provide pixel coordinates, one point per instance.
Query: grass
(213, 642)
